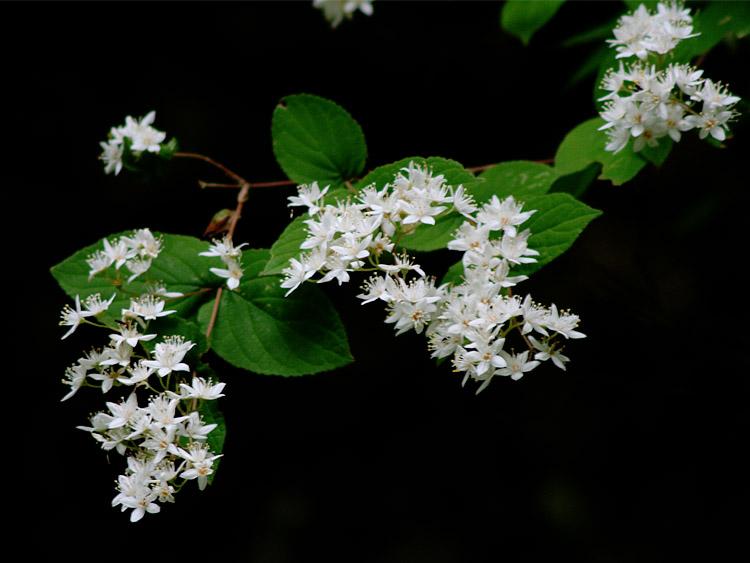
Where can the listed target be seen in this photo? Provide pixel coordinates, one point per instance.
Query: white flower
(107, 376)
(124, 412)
(294, 275)
(169, 355)
(563, 323)
(505, 215)
(147, 307)
(142, 135)
(336, 10)
(223, 248)
(73, 317)
(129, 333)
(138, 374)
(136, 495)
(202, 389)
(463, 202)
(195, 429)
(161, 441)
(200, 463)
(517, 365)
(98, 262)
(112, 157)
(118, 355)
(549, 352)
(118, 252)
(162, 410)
(159, 290)
(144, 243)
(232, 273)
(74, 378)
(95, 305)
(308, 196)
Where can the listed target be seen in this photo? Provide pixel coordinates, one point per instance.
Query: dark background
(634, 454)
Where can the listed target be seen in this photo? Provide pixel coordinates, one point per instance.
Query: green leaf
(658, 154)
(260, 330)
(167, 150)
(178, 267)
(523, 19)
(454, 275)
(577, 183)
(427, 237)
(633, 4)
(714, 23)
(314, 139)
(211, 414)
(559, 220)
(585, 144)
(519, 178)
(286, 247)
(598, 33)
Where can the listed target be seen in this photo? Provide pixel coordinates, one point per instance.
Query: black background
(634, 454)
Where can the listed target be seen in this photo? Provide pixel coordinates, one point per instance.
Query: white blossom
(73, 317)
(646, 103)
(202, 389)
(168, 355)
(335, 11)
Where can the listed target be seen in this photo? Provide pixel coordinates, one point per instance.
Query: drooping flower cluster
(135, 252)
(646, 103)
(335, 11)
(472, 320)
(158, 425)
(135, 137)
(231, 256)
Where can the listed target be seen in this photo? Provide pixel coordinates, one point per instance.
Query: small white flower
(74, 378)
(143, 136)
(95, 305)
(129, 333)
(112, 157)
(202, 389)
(308, 196)
(98, 262)
(549, 352)
(336, 10)
(517, 365)
(73, 317)
(169, 355)
(124, 412)
(200, 463)
(147, 307)
(232, 273)
(138, 374)
(223, 248)
(118, 252)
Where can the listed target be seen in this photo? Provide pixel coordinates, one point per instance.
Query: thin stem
(197, 156)
(214, 312)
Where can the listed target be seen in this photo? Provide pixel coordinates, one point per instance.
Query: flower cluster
(231, 256)
(336, 10)
(159, 426)
(647, 104)
(472, 320)
(135, 137)
(135, 252)
(643, 32)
